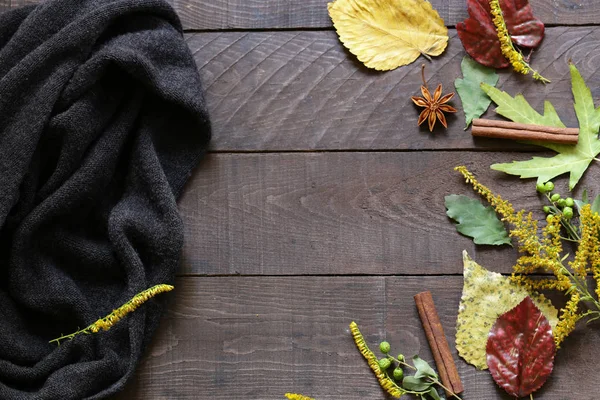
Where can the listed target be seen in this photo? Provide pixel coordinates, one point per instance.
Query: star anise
(434, 106)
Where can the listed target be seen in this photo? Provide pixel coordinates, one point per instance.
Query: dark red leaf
(520, 349)
(525, 30)
(478, 33)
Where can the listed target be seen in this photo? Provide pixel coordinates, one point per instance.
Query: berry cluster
(559, 207)
(386, 363)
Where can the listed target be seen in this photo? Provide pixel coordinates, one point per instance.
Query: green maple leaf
(572, 159)
(474, 100)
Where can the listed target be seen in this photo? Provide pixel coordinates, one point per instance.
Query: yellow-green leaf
(572, 159)
(386, 34)
(486, 295)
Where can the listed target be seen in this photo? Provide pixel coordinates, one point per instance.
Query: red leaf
(478, 33)
(520, 349)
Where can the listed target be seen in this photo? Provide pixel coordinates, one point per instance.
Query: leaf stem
(423, 73)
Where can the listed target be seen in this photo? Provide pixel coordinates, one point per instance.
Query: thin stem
(72, 335)
(569, 239)
(583, 289)
(445, 388)
(423, 74)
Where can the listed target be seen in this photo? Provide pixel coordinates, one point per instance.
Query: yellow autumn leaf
(386, 34)
(486, 295)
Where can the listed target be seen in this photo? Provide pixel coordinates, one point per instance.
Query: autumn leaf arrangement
(487, 313)
(489, 298)
(490, 311)
(387, 34)
(504, 324)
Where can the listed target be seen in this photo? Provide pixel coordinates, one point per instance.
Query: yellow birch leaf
(486, 295)
(386, 34)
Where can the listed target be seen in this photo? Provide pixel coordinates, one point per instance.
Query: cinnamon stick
(438, 343)
(517, 131)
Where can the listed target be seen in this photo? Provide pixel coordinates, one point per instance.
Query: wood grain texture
(342, 213)
(259, 337)
(271, 14)
(303, 91)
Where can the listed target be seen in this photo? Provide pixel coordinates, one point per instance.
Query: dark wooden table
(321, 202)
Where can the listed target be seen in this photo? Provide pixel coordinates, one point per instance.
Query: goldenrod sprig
(506, 45)
(111, 319)
(295, 396)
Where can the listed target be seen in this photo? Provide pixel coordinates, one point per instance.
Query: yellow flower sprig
(295, 396)
(111, 319)
(506, 45)
(544, 253)
(386, 383)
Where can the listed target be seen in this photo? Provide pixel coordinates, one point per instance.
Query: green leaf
(571, 159)
(518, 109)
(476, 221)
(424, 370)
(415, 384)
(474, 100)
(584, 200)
(433, 393)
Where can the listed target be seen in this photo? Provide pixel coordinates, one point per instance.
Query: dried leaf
(520, 349)
(486, 295)
(386, 34)
(479, 37)
(476, 221)
(474, 100)
(571, 159)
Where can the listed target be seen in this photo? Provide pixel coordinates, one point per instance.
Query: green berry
(561, 202)
(568, 212)
(549, 186)
(398, 374)
(549, 218)
(555, 197)
(384, 347)
(384, 363)
(401, 358)
(547, 209)
(540, 187)
(569, 202)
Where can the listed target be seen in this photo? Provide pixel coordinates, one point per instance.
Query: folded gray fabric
(101, 121)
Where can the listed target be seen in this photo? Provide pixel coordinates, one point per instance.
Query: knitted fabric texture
(102, 119)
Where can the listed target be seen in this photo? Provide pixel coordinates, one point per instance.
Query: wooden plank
(271, 14)
(341, 213)
(259, 337)
(303, 91)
